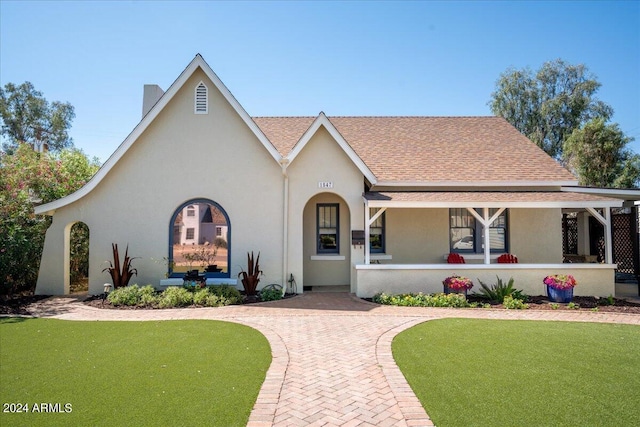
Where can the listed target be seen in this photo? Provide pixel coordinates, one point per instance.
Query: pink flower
(560, 281)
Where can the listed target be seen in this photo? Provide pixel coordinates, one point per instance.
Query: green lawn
(165, 373)
(523, 373)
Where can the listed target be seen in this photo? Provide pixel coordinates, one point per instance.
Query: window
(328, 226)
(376, 233)
(202, 99)
(191, 232)
(201, 241)
(466, 236)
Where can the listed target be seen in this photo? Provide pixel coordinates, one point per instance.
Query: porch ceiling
(488, 199)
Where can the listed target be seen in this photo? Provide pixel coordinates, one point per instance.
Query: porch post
(487, 235)
(367, 237)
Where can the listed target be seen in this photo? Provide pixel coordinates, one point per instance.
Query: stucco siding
(536, 235)
(417, 236)
(323, 160)
(593, 280)
(180, 156)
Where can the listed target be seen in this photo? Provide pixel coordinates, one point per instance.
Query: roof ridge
(379, 117)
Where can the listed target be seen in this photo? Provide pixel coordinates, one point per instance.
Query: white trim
(568, 266)
(626, 194)
(322, 120)
(197, 62)
(500, 184)
(328, 258)
(497, 204)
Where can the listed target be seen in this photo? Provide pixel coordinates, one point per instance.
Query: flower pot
(559, 295)
(448, 290)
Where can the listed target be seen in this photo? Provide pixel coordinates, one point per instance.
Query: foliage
(159, 373)
(271, 293)
(28, 178)
(79, 252)
(499, 291)
(147, 296)
(175, 296)
(219, 242)
(28, 118)
(549, 105)
(120, 274)
(458, 283)
(597, 153)
(423, 300)
(511, 303)
(133, 296)
(565, 373)
(560, 281)
(573, 306)
(251, 277)
(202, 254)
(554, 305)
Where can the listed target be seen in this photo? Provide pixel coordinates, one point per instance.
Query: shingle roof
(431, 149)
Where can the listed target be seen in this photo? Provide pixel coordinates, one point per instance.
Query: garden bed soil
(19, 305)
(614, 305)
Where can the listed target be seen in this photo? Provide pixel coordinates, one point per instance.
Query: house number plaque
(325, 184)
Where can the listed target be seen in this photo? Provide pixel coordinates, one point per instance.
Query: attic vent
(202, 100)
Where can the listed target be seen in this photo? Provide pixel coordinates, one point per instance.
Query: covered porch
(527, 224)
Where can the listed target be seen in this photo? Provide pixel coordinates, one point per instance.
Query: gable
(434, 151)
(196, 65)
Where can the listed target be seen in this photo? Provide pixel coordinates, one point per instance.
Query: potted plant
(560, 287)
(457, 285)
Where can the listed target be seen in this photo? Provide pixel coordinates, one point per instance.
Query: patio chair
(507, 259)
(454, 258)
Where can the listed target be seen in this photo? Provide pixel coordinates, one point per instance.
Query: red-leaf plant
(251, 277)
(120, 276)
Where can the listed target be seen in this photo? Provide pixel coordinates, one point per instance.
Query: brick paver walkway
(332, 362)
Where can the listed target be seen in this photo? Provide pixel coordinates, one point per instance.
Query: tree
(28, 177)
(548, 106)
(28, 118)
(597, 153)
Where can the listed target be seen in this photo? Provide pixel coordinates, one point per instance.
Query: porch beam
(376, 216)
(605, 220)
(486, 225)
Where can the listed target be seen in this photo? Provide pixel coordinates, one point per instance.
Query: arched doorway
(200, 239)
(326, 242)
(76, 258)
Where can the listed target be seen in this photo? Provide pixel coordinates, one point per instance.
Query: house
(375, 203)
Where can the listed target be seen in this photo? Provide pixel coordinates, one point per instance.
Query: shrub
(229, 293)
(422, 300)
(175, 297)
(220, 242)
(271, 293)
(498, 291)
(511, 303)
(133, 295)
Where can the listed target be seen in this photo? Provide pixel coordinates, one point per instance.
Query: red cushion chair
(455, 259)
(507, 259)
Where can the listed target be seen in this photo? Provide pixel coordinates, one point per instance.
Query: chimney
(152, 93)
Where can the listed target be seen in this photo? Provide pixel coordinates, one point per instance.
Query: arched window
(202, 99)
(200, 239)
